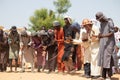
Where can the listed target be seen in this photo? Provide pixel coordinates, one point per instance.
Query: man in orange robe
(59, 37)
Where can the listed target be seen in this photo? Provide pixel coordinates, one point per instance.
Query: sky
(18, 12)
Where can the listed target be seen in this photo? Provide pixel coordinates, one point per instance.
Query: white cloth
(86, 45)
(95, 69)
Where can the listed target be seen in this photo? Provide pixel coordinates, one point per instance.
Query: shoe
(22, 71)
(38, 70)
(39, 67)
(87, 76)
(49, 71)
(95, 77)
(73, 71)
(108, 79)
(10, 71)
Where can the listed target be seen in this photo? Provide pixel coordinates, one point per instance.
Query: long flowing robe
(106, 45)
(52, 53)
(14, 45)
(59, 36)
(38, 48)
(27, 51)
(95, 69)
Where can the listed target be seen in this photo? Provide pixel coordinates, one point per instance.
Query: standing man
(107, 43)
(59, 37)
(14, 46)
(69, 47)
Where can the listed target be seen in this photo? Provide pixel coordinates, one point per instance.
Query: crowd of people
(66, 49)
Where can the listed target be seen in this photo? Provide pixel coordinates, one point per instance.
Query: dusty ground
(44, 76)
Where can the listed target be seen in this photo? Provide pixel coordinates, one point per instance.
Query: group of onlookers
(68, 48)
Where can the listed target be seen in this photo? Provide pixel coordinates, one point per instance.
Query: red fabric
(59, 37)
(80, 57)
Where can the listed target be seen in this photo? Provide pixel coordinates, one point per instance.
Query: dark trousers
(3, 67)
(51, 62)
(87, 70)
(16, 64)
(108, 71)
(74, 55)
(3, 61)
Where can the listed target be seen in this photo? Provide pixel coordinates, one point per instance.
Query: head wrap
(56, 23)
(13, 28)
(99, 15)
(42, 33)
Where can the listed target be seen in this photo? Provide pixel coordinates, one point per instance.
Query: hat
(56, 23)
(86, 21)
(99, 15)
(68, 18)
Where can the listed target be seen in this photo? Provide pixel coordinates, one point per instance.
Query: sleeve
(96, 30)
(111, 27)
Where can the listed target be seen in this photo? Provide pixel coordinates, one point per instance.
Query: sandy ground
(44, 76)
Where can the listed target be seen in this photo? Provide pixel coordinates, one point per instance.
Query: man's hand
(100, 36)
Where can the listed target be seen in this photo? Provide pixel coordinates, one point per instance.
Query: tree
(43, 17)
(62, 6)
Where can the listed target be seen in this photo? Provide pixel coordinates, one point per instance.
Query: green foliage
(43, 17)
(62, 6)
